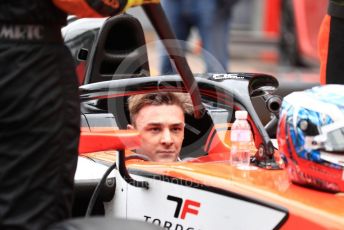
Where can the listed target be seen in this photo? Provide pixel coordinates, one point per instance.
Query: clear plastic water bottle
(241, 137)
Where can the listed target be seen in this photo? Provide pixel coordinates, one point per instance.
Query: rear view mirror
(262, 84)
(104, 141)
(119, 140)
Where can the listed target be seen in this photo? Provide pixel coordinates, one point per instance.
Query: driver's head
(159, 117)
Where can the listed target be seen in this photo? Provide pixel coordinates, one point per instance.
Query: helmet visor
(334, 134)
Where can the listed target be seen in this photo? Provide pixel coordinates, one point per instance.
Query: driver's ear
(130, 126)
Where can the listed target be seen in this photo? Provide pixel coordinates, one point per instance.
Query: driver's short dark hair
(137, 102)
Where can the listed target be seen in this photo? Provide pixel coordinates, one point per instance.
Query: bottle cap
(241, 114)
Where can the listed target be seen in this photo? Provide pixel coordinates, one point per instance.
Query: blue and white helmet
(311, 136)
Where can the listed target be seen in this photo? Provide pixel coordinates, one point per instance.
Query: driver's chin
(165, 158)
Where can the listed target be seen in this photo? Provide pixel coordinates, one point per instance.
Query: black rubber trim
(335, 67)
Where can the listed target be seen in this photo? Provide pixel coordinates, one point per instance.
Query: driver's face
(162, 131)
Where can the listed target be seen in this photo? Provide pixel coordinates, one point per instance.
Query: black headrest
(196, 134)
(120, 38)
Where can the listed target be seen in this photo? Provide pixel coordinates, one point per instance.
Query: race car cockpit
(205, 192)
(112, 64)
(218, 97)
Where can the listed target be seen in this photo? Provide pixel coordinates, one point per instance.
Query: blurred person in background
(212, 20)
(331, 44)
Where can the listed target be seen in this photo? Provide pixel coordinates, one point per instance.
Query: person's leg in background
(213, 25)
(175, 12)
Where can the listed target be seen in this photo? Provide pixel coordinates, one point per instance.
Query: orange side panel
(218, 140)
(219, 144)
(324, 37)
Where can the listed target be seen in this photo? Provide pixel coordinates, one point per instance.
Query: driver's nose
(166, 138)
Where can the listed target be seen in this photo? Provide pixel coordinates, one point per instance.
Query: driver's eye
(154, 129)
(176, 129)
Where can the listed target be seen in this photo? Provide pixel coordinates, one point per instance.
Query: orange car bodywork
(307, 208)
